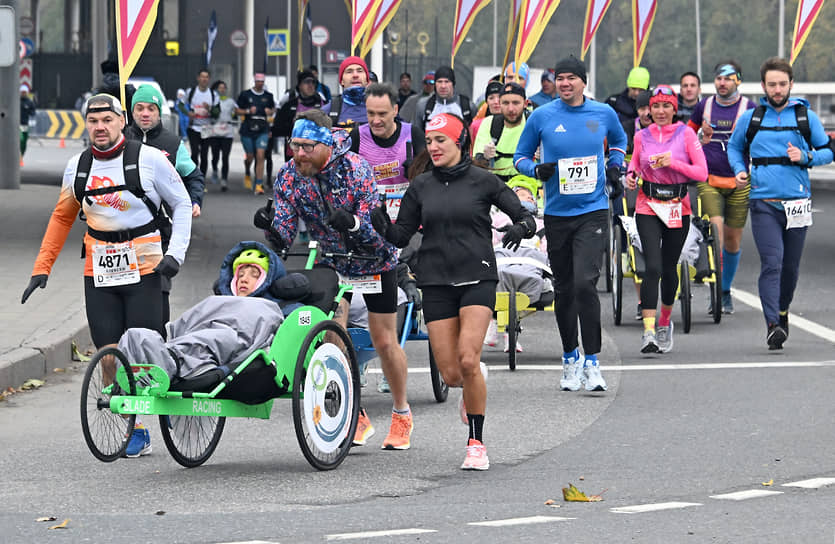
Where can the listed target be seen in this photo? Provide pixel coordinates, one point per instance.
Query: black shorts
(445, 301)
(113, 310)
(385, 302)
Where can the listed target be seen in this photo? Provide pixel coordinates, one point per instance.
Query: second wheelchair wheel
(191, 440)
(617, 273)
(512, 329)
(716, 268)
(439, 386)
(684, 295)
(106, 433)
(326, 395)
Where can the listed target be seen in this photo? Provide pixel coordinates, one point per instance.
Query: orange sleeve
(60, 224)
(693, 125)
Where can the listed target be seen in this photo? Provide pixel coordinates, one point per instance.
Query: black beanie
(445, 72)
(494, 87)
(571, 65)
(642, 100)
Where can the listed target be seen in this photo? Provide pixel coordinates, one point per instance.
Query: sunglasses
(666, 91)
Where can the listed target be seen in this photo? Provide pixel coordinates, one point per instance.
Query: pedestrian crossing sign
(278, 42)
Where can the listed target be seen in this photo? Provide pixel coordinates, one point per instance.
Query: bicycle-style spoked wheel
(512, 329)
(191, 440)
(106, 433)
(617, 274)
(716, 268)
(684, 295)
(439, 386)
(326, 395)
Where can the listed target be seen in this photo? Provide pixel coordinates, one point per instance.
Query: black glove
(168, 267)
(380, 220)
(613, 175)
(38, 280)
(264, 216)
(513, 235)
(412, 293)
(343, 220)
(545, 171)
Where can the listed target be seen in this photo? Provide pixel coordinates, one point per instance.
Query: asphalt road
(665, 445)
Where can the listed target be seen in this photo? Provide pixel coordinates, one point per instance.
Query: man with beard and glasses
(723, 200)
(498, 135)
(333, 191)
(784, 139)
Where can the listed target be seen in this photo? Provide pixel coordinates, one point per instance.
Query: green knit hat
(147, 94)
(638, 78)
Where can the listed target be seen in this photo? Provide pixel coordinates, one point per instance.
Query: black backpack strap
(754, 126)
(336, 109)
(496, 127)
(466, 113)
(82, 173)
(130, 164)
(427, 110)
(801, 114)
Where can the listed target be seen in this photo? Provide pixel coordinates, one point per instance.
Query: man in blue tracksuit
(781, 154)
(573, 131)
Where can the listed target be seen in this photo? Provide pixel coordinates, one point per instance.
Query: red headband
(448, 125)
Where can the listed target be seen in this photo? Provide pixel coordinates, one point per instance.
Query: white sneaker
(383, 386)
(462, 410)
(664, 337)
(594, 379)
(507, 347)
(572, 373)
(492, 336)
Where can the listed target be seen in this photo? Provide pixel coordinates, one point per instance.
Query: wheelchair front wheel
(684, 295)
(617, 273)
(439, 386)
(716, 264)
(512, 329)
(106, 433)
(191, 440)
(326, 395)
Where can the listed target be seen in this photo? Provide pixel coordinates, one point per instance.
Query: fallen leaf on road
(47, 518)
(32, 383)
(769, 483)
(160, 512)
(572, 494)
(552, 503)
(62, 525)
(77, 355)
(582, 478)
(59, 370)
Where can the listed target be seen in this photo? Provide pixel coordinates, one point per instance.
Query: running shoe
(139, 444)
(462, 410)
(594, 379)
(507, 347)
(383, 386)
(364, 429)
(649, 344)
(214, 176)
(639, 313)
(776, 336)
(492, 336)
(399, 432)
(247, 182)
(572, 373)
(664, 337)
(259, 189)
(363, 368)
(224, 185)
(784, 322)
(476, 456)
(727, 303)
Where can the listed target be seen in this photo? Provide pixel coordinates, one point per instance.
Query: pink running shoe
(476, 456)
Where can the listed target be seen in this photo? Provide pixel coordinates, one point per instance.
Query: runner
(548, 91)
(348, 108)
(444, 100)
(203, 106)
(255, 104)
(492, 106)
(499, 134)
(624, 102)
(690, 90)
(223, 135)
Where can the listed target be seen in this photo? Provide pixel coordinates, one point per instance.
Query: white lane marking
(629, 368)
(794, 320)
(745, 495)
(641, 508)
(519, 521)
(376, 534)
(251, 542)
(814, 483)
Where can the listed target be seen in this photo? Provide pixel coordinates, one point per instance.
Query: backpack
(463, 102)
(130, 164)
(336, 109)
(801, 115)
(496, 128)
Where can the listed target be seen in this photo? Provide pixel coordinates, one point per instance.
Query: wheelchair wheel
(439, 386)
(607, 253)
(105, 432)
(684, 295)
(617, 273)
(512, 329)
(326, 395)
(191, 440)
(716, 268)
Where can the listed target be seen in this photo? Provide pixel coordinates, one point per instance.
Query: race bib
(798, 213)
(367, 285)
(578, 176)
(669, 212)
(394, 194)
(114, 264)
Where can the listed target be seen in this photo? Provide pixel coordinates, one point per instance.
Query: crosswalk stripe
(519, 521)
(813, 483)
(377, 534)
(794, 320)
(745, 495)
(641, 508)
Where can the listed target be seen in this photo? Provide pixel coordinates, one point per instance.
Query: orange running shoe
(476, 456)
(399, 432)
(364, 429)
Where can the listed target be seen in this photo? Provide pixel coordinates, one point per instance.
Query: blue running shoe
(139, 444)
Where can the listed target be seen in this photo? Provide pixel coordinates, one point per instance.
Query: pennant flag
(362, 15)
(212, 37)
(266, 44)
(643, 14)
(134, 22)
(807, 12)
(465, 12)
(533, 19)
(595, 10)
(512, 25)
(383, 17)
(303, 6)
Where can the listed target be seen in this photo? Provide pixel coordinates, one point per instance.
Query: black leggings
(199, 149)
(113, 310)
(220, 150)
(662, 248)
